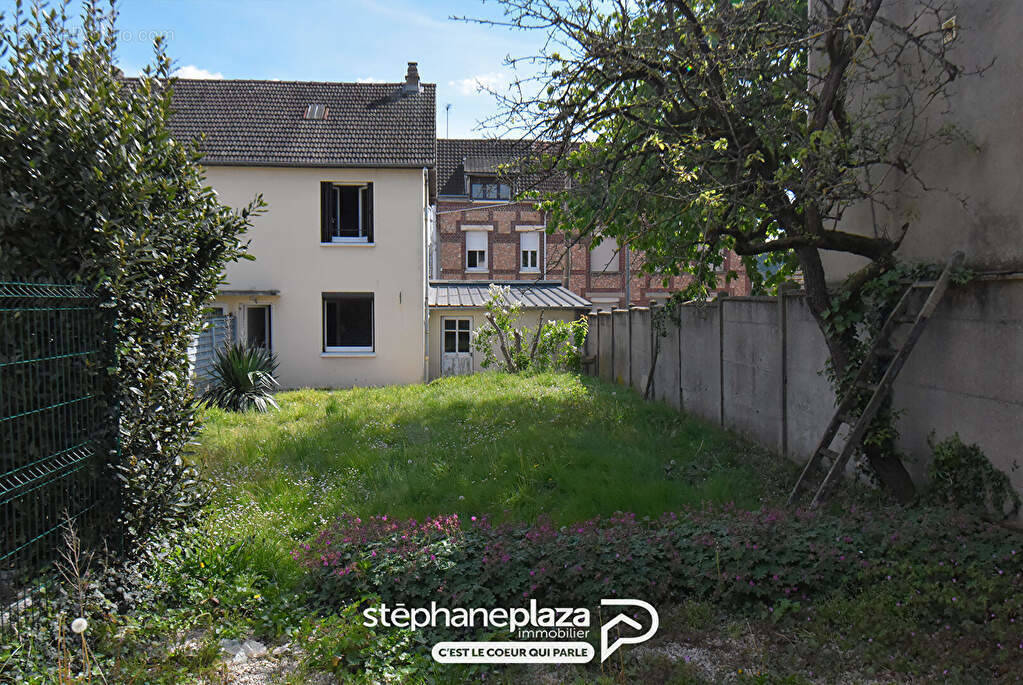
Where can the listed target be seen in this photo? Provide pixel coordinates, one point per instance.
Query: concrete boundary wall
(755, 365)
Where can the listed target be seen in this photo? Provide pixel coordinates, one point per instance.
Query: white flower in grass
(79, 625)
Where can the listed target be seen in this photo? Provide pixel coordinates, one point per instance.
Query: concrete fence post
(784, 376)
(721, 358)
(592, 344)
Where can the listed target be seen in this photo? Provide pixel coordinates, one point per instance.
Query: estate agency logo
(546, 634)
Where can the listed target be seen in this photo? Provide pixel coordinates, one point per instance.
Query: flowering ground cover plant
(934, 581)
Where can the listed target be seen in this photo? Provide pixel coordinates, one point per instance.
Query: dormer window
(488, 188)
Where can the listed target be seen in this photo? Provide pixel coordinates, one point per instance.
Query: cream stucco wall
(529, 319)
(289, 258)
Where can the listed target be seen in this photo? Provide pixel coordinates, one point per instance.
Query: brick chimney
(412, 79)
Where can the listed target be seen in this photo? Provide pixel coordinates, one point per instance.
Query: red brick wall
(503, 256)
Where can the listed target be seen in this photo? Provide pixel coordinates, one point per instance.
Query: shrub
(243, 378)
(552, 346)
(98, 193)
(963, 477)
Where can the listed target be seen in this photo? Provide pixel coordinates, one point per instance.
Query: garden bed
(493, 490)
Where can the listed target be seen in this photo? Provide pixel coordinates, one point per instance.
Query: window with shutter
(346, 212)
(476, 250)
(604, 257)
(529, 251)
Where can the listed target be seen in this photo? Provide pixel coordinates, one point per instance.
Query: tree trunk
(890, 470)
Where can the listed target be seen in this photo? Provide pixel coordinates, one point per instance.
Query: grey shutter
(367, 212)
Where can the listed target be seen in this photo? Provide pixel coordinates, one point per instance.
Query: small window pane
(463, 324)
(450, 341)
(348, 199)
(463, 341)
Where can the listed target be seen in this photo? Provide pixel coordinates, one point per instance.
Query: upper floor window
(476, 250)
(604, 257)
(488, 188)
(346, 212)
(529, 251)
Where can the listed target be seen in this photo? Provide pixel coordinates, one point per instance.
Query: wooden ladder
(892, 360)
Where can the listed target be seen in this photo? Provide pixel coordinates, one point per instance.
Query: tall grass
(509, 446)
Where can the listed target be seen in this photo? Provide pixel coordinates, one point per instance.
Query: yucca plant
(243, 378)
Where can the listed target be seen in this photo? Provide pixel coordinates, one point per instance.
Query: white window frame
(485, 235)
(360, 239)
(444, 331)
(352, 350)
(268, 318)
(535, 268)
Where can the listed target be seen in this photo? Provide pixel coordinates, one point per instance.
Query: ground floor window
(347, 322)
(257, 326)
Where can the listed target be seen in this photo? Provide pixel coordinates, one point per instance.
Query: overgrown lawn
(509, 447)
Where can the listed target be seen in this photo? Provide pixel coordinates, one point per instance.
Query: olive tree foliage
(96, 191)
(689, 127)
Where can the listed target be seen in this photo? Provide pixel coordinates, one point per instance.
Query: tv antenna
(447, 120)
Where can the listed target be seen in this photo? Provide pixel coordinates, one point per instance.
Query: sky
(344, 40)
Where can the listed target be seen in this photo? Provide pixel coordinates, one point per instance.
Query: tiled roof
(531, 294)
(459, 156)
(262, 123)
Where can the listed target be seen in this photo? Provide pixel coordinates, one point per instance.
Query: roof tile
(262, 123)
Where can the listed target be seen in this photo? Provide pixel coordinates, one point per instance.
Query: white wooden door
(456, 360)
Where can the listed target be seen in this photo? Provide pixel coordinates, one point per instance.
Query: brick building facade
(483, 235)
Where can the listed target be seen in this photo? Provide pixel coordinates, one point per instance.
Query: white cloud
(192, 71)
(495, 80)
(370, 79)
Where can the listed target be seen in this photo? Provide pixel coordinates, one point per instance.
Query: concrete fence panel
(966, 376)
(620, 345)
(591, 347)
(700, 357)
(752, 369)
(666, 372)
(605, 348)
(642, 347)
(809, 399)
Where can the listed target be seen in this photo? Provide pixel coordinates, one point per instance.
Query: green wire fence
(58, 432)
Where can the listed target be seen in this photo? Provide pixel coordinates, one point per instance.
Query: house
(338, 285)
(457, 308)
(484, 233)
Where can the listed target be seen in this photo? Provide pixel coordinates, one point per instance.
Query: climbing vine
(856, 317)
